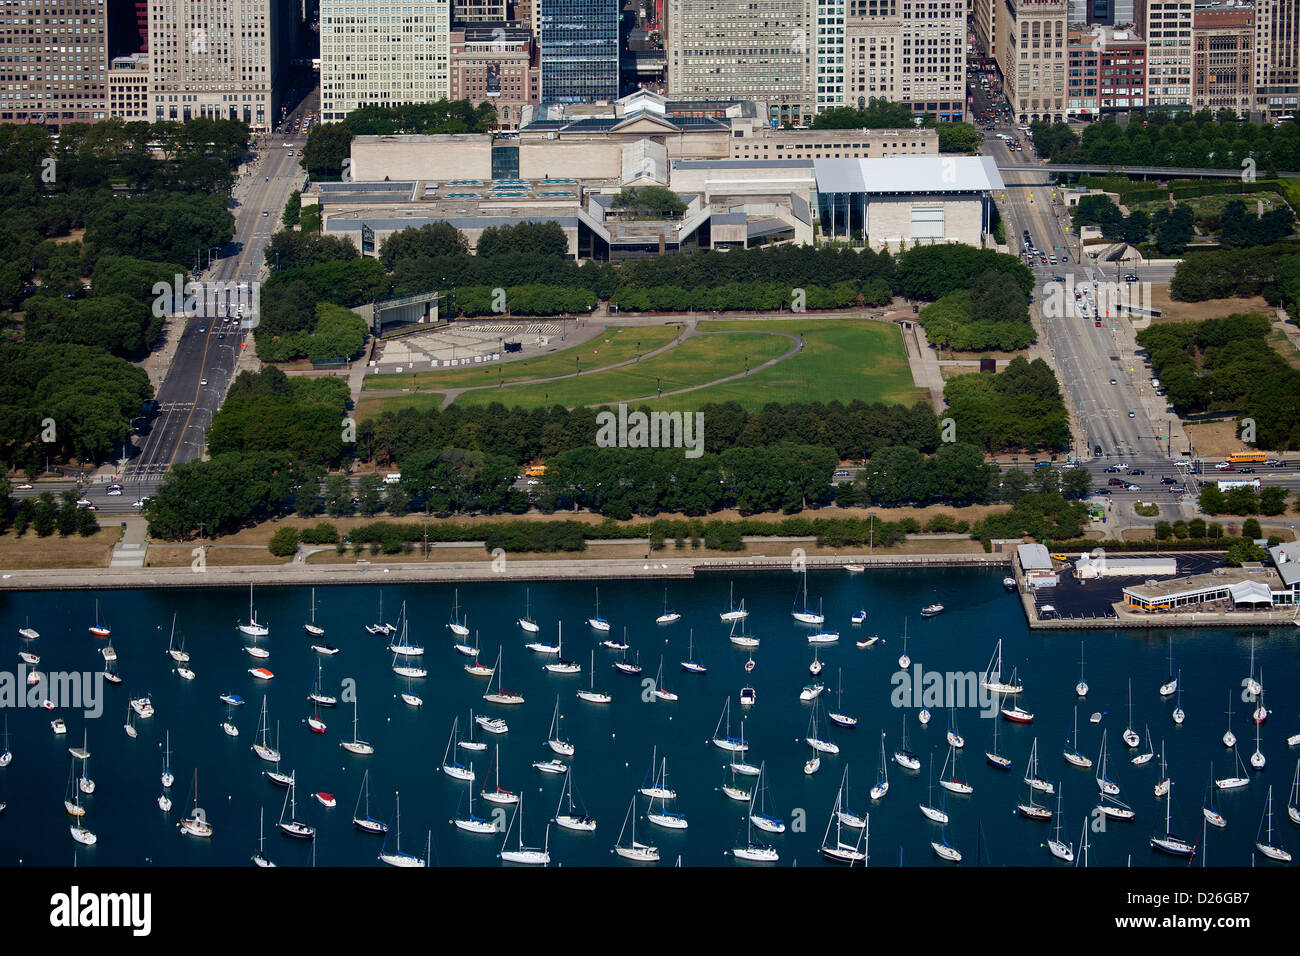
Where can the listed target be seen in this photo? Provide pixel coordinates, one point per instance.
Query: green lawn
(844, 359)
(697, 360)
(616, 344)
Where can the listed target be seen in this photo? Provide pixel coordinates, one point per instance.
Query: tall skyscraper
(1277, 58)
(1222, 59)
(1032, 54)
(377, 53)
(53, 61)
(579, 41)
(223, 60)
(1167, 26)
(756, 50)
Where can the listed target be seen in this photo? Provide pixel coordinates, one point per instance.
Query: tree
(284, 542)
(1076, 483)
(1250, 529)
(338, 495)
(649, 202)
(1174, 228)
(370, 494)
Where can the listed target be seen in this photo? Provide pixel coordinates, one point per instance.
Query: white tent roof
(1251, 592)
(908, 174)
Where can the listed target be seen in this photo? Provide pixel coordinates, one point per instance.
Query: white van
(392, 478)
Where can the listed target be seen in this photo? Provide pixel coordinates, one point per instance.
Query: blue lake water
(614, 742)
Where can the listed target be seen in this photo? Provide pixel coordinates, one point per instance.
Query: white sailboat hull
(570, 822)
(755, 854)
(938, 816)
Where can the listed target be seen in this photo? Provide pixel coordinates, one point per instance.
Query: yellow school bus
(536, 471)
(1247, 457)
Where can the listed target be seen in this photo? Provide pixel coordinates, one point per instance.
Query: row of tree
(993, 313)
(1018, 408)
(1227, 365)
(269, 412)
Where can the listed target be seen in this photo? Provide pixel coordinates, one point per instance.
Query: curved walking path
(689, 330)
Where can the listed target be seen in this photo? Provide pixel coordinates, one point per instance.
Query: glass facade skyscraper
(579, 50)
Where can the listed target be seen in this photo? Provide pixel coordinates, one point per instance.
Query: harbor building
(1250, 587)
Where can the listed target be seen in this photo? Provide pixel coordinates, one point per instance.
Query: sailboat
(903, 756)
(847, 816)
(837, 716)
(469, 650)
(597, 622)
(1169, 687)
(882, 785)
(660, 692)
(758, 806)
(954, 739)
(1104, 783)
(1169, 843)
(813, 763)
(992, 679)
(904, 662)
(614, 645)
(560, 665)
(930, 811)
(79, 832)
(1208, 810)
(944, 850)
(953, 785)
(497, 795)
(592, 695)
(1015, 712)
(553, 739)
(380, 627)
(1162, 785)
(364, 821)
(1260, 714)
(1031, 773)
(29, 633)
(167, 778)
(177, 654)
(804, 615)
(1058, 849)
(1257, 760)
(1266, 846)
(995, 758)
(252, 628)
(1113, 808)
(294, 827)
(748, 641)
(1229, 738)
(815, 667)
(1072, 754)
(637, 852)
(1081, 688)
(196, 824)
(471, 823)
(667, 617)
(754, 852)
(311, 627)
(1032, 810)
(317, 694)
(658, 786)
(6, 756)
(267, 753)
(1252, 686)
(572, 820)
(526, 622)
(726, 741)
(97, 629)
(691, 665)
(523, 854)
(814, 739)
(477, 668)
(403, 647)
(1143, 759)
(456, 625)
(397, 857)
(1130, 735)
(500, 696)
(1237, 782)
(259, 858)
(450, 765)
(1179, 715)
(841, 852)
(356, 745)
(628, 667)
(733, 613)
(669, 819)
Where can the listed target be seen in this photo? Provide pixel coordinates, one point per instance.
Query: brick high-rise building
(1167, 26)
(53, 61)
(497, 63)
(1107, 71)
(1223, 60)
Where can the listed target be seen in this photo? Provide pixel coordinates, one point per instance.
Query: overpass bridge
(1160, 172)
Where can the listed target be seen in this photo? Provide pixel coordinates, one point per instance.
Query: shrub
(284, 542)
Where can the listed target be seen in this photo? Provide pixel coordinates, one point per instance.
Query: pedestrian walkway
(130, 550)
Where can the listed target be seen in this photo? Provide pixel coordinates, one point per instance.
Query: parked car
(1116, 481)
(1247, 471)
(1102, 491)
(1137, 471)
(1166, 480)
(1132, 487)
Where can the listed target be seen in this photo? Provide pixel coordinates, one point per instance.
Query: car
(1065, 257)
(1043, 259)
(1130, 278)
(1098, 323)
(1133, 487)
(202, 328)
(1137, 471)
(24, 487)
(1102, 491)
(1121, 465)
(1224, 466)
(264, 212)
(203, 381)
(222, 335)
(1247, 471)
(1111, 469)
(1116, 481)
(1176, 489)
(1096, 450)
(1113, 382)
(1166, 480)
(114, 490)
(84, 502)
(1276, 464)
(1132, 415)
(139, 503)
